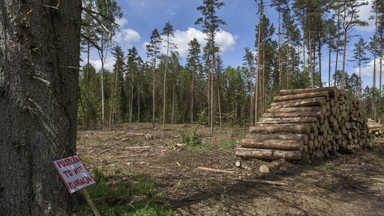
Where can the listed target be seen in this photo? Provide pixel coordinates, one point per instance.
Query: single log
(240, 165)
(301, 96)
(216, 170)
(295, 120)
(332, 91)
(274, 165)
(283, 128)
(297, 109)
(287, 145)
(265, 154)
(263, 137)
(316, 114)
(310, 102)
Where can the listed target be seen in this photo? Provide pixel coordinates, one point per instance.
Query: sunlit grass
(137, 196)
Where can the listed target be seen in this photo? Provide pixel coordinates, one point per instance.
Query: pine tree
(350, 19)
(194, 65)
(117, 100)
(106, 13)
(168, 34)
(361, 57)
(133, 67)
(211, 25)
(292, 38)
(88, 41)
(258, 62)
(280, 5)
(249, 62)
(153, 49)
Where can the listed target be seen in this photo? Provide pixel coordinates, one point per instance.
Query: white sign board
(73, 173)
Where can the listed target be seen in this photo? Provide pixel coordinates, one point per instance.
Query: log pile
(307, 123)
(375, 128)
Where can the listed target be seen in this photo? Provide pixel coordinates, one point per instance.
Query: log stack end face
(307, 123)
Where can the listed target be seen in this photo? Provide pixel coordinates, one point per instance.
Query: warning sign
(73, 172)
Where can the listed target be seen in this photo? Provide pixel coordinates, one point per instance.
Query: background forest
(162, 88)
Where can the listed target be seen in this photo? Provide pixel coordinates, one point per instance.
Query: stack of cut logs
(307, 123)
(375, 128)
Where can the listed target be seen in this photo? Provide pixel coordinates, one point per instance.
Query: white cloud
(225, 40)
(127, 36)
(367, 71)
(365, 13)
(108, 64)
(121, 22)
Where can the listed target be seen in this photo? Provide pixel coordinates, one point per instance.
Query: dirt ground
(349, 184)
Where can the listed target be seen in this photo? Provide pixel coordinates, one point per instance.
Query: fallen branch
(138, 147)
(276, 183)
(216, 170)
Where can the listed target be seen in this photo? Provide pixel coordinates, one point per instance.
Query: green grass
(227, 144)
(137, 196)
(328, 166)
(377, 153)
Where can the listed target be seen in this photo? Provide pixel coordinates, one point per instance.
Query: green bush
(193, 139)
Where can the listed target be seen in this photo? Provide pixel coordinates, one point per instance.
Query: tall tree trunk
(87, 120)
(192, 95)
(344, 59)
(310, 59)
(154, 94)
(381, 69)
(263, 83)
(287, 67)
(209, 97)
(360, 78)
(329, 66)
(337, 46)
(39, 68)
(374, 78)
(304, 55)
(131, 99)
(219, 96)
(250, 98)
(102, 82)
(258, 61)
(138, 105)
(219, 106)
(279, 51)
(212, 85)
(320, 71)
(165, 84)
(173, 103)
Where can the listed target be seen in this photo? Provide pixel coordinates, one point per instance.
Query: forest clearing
(231, 108)
(178, 181)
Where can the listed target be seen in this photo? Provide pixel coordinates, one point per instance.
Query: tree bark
(266, 154)
(258, 62)
(301, 96)
(276, 144)
(263, 137)
(332, 91)
(39, 67)
(284, 128)
(154, 94)
(316, 101)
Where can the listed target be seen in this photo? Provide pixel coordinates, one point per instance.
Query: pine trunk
(39, 67)
(344, 59)
(258, 62)
(87, 120)
(154, 95)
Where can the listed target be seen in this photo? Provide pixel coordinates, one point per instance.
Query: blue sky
(142, 16)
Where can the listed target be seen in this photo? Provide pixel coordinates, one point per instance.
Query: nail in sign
(73, 173)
